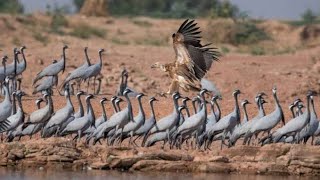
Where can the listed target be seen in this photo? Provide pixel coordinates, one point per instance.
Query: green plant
(16, 41)
(246, 33)
(225, 50)
(26, 20)
(12, 6)
(308, 16)
(85, 31)
(151, 41)
(78, 3)
(257, 51)
(286, 50)
(41, 38)
(142, 23)
(116, 40)
(225, 9)
(171, 9)
(58, 20)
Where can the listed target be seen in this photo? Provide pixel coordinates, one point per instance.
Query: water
(36, 174)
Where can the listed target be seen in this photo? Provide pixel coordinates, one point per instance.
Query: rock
(99, 165)
(169, 156)
(59, 153)
(124, 163)
(145, 165)
(59, 158)
(16, 154)
(219, 159)
(213, 167)
(32, 155)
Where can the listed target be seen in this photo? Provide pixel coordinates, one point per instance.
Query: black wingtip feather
(182, 25)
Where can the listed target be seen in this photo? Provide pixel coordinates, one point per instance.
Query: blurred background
(235, 23)
(271, 9)
(249, 33)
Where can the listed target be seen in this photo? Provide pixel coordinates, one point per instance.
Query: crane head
(263, 101)
(274, 89)
(140, 95)
(203, 91)
(80, 93)
(103, 100)
(21, 93)
(39, 100)
(176, 95)
(180, 108)
(311, 93)
(119, 100)
(244, 102)
(216, 97)
(185, 99)
(126, 91)
(236, 92)
(65, 47)
(4, 59)
(101, 51)
(291, 106)
(90, 96)
(297, 101)
(113, 98)
(261, 95)
(23, 48)
(153, 99)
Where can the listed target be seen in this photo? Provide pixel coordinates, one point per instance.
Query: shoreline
(61, 153)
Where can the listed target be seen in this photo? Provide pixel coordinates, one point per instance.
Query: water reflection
(36, 174)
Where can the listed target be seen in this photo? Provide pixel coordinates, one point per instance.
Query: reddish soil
(293, 73)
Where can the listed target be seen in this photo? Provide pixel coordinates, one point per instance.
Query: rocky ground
(61, 153)
(136, 43)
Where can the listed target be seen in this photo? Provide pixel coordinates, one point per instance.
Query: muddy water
(36, 174)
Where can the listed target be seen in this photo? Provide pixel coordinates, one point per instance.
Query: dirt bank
(58, 153)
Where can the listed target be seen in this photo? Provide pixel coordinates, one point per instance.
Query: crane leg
(121, 136)
(57, 131)
(131, 135)
(222, 139)
(78, 85)
(94, 85)
(144, 139)
(79, 135)
(164, 143)
(196, 140)
(180, 143)
(134, 140)
(88, 84)
(168, 135)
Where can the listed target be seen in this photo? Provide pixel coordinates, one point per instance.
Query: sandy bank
(60, 153)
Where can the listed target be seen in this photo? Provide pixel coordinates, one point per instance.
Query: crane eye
(174, 35)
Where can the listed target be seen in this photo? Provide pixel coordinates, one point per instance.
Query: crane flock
(197, 127)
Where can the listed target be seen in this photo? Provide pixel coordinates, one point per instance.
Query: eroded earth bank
(61, 153)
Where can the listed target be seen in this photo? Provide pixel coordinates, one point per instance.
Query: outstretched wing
(194, 58)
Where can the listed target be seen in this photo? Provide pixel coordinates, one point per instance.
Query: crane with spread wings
(192, 59)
